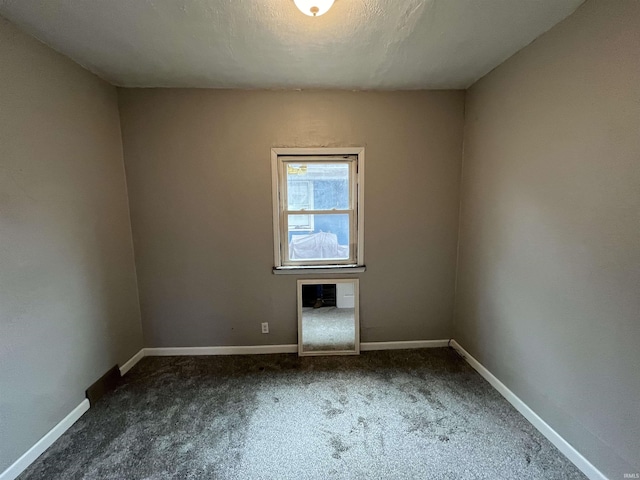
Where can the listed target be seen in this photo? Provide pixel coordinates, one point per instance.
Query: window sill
(318, 269)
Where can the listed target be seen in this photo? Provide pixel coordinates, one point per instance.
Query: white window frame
(280, 157)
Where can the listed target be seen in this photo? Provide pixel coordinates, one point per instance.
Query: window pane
(301, 223)
(318, 186)
(329, 239)
(300, 194)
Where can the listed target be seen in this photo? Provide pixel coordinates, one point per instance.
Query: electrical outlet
(265, 327)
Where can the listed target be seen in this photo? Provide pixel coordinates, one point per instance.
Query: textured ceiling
(358, 44)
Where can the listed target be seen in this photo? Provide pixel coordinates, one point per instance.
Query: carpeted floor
(328, 328)
(404, 414)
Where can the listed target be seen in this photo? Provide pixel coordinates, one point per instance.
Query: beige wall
(68, 303)
(198, 170)
(548, 294)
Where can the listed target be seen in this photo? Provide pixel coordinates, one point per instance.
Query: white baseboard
(543, 427)
(45, 442)
(132, 361)
(226, 350)
(369, 346)
(291, 348)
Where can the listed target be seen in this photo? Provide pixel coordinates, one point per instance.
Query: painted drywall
(372, 44)
(199, 178)
(68, 300)
(548, 291)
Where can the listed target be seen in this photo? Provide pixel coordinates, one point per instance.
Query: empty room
(319, 239)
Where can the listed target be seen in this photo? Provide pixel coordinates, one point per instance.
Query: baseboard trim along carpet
(291, 348)
(264, 349)
(226, 350)
(132, 361)
(370, 346)
(543, 427)
(45, 442)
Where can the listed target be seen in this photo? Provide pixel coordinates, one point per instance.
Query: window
(317, 207)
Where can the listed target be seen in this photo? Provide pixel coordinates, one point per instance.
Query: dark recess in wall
(104, 384)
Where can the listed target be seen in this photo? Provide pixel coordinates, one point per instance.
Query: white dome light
(314, 8)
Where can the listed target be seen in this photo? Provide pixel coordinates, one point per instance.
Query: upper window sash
(284, 162)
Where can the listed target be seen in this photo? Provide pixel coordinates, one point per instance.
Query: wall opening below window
(328, 317)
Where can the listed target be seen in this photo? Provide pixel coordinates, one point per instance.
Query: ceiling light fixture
(314, 8)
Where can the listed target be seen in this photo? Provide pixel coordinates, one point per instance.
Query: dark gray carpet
(410, 414)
